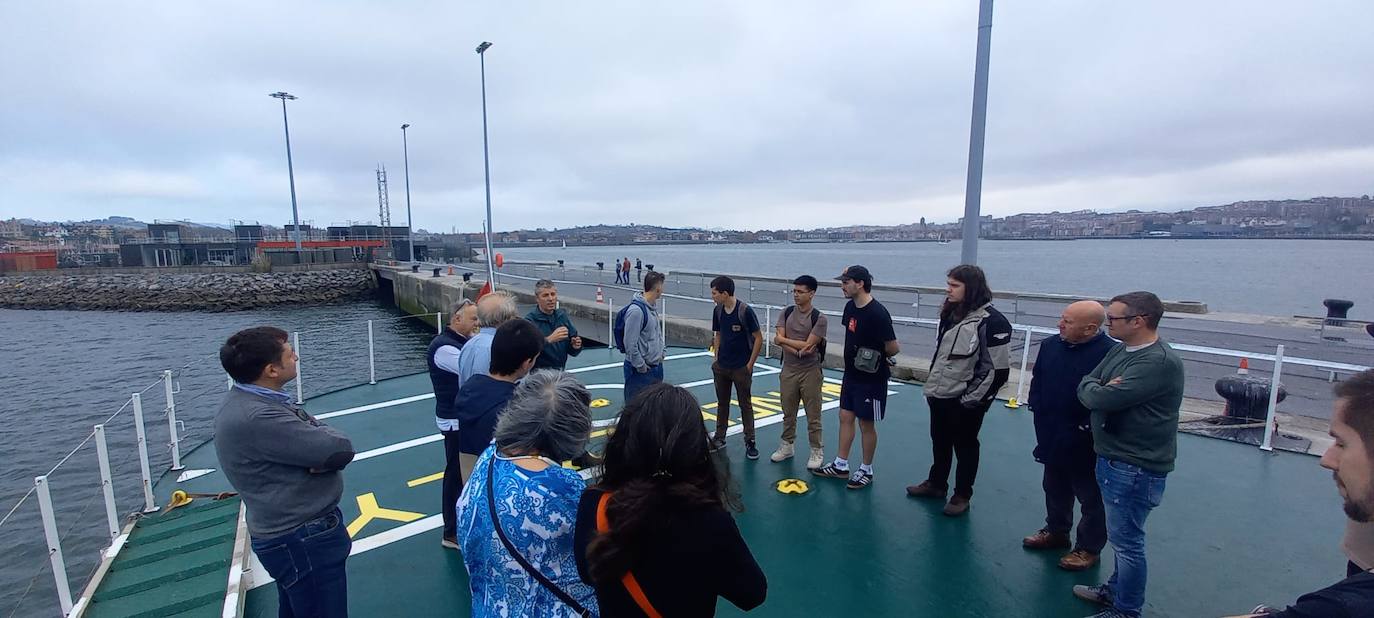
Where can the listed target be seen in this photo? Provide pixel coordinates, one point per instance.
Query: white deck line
(404, 400)
(376, 406)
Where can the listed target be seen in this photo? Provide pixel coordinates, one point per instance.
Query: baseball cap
(857, 273)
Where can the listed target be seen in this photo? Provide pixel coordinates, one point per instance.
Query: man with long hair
(869, 342)
(970, 365)
(662, 511)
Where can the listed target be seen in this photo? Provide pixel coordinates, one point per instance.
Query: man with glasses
(801, 335)
(1134, 395)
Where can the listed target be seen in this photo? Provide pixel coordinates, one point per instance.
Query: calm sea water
(1272, 277)
(65, 371)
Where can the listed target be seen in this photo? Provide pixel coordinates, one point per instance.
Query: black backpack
(815, 315)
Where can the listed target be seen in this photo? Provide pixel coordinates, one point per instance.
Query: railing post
(296, 345)
(148, 504)
(767, 329)
(172, 420)
(438, 322)
(1021, 376)
(664, 321)
(59, 567)
(371, 357)
(106, 484)
(610, 322)
(1268, 444)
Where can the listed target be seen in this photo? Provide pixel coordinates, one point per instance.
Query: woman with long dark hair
(655, 536)
(970, 365)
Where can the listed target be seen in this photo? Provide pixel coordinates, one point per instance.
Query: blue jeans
(308, 564)
(636, 381)
(1129, 493)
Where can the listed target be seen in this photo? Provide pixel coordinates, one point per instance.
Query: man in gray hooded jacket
(644, 345)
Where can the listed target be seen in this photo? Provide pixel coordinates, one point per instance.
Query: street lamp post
(973, 191)
(290, 172)
(410, 227)
(486, 161)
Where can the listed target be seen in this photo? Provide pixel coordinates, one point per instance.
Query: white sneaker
(784, 452)
(816, 460)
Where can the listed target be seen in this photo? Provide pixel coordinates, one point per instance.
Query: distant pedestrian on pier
(287, 467)
(1064, 438)
(625, 271)
(639, 270)
(1134, 394)
(560, 336)
(737, 341)
(869, 342)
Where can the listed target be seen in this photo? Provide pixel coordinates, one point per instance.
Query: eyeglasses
(1112, 318)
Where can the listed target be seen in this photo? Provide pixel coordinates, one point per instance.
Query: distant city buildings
(123, 241)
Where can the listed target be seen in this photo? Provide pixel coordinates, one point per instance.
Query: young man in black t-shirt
(869, 342)
(1351, 461)
(737, 343)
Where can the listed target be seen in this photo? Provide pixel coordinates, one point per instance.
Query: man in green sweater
(1134, 395)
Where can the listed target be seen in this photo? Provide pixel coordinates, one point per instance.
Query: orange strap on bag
(603, 525)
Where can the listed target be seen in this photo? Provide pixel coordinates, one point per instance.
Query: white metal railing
(175, 429)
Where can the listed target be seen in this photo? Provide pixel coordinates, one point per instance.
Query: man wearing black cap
(869, 342)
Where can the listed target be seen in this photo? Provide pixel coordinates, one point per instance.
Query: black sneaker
(717, 443)
(831, 471)
(750, 450)
(859, 479)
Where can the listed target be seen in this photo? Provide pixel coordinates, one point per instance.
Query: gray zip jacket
(643, 341)
(971, 358)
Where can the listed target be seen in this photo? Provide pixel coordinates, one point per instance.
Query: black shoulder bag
(524, 564)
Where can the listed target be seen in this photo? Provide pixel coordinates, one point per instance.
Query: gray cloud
(715, 114)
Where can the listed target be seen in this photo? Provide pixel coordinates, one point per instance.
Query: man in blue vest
(443, 375)
(560, 336)
(1064, 438)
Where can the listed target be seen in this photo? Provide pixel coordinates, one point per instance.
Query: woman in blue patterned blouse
(518, 477)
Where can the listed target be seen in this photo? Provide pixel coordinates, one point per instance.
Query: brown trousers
(801, 386)
(741, 379)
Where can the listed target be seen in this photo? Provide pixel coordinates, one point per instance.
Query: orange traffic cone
(1244, 367)
(600, 298)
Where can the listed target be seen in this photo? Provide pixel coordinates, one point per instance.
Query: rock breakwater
(186, 292)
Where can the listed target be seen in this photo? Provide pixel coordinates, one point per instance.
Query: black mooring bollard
(1337, 311)
(436, 272)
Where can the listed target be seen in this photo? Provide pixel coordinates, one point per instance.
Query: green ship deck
(1237, 526)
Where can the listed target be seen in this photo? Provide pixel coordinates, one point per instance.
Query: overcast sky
(736, 114)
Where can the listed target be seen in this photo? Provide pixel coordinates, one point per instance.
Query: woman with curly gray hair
(516, 514)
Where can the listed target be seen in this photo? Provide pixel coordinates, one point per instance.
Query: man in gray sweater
(286, 467)
(1134, 395)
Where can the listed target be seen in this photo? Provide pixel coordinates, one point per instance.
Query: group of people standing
(622, 270)
(538, 541)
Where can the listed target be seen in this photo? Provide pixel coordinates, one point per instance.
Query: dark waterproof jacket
(555, 355)
(1063, 425)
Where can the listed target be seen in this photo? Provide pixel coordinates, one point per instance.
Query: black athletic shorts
(867, 400)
